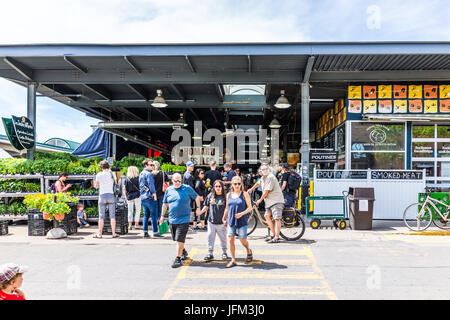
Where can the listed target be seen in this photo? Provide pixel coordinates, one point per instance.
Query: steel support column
(305, 147)
(31, 113)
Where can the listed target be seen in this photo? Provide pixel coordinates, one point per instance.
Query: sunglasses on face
(218, 186)
(236, 184)
(176, 181)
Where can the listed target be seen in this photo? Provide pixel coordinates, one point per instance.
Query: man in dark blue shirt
(230, 175)
(148, 198)
(212, 175)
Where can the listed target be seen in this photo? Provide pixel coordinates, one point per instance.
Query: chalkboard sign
(322, 157)
(341, 174)
(396, 175)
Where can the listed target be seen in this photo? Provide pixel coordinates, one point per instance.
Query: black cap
(285, 165)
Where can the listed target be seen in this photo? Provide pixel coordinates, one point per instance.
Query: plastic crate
(3, 228)
(37, 226)
(121, 221)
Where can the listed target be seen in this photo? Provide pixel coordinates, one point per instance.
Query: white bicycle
(419, 216)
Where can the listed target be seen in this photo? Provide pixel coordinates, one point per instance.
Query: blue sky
(183, 21)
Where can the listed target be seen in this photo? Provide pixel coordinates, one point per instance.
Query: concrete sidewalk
(380, 229)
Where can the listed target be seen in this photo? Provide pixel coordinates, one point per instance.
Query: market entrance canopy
(118, 82)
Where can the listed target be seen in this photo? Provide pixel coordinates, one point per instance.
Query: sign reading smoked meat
(24, 130)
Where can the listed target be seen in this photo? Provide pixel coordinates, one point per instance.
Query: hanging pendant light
(274, 124)
(282, 102)
(159, 101)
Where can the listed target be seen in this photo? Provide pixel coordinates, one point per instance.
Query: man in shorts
(274, 202)
(177, 198)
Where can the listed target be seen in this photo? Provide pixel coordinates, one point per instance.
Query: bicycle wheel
(442, 223)
(252, 223)
(417, 217)
(294, 232)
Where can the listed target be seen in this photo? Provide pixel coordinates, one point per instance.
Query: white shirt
(105, 182)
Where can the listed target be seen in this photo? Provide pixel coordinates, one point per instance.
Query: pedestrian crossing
(275, 273)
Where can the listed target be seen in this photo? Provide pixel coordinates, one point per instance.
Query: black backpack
(294, 181)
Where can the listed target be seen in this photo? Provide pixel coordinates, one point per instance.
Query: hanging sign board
(10, 132)
(322, 157)
(24, 130)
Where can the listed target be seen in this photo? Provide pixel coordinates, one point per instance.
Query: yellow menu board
(354, 92)
(431, 106)
(400, 106)
(370, 106)
(415, 91)
(384, 91)
(444, 91)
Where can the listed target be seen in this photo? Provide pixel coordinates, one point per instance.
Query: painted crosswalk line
(183, 284)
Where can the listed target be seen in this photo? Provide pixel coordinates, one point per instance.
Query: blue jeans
(150, 210)
(159, 206)
(289, 200)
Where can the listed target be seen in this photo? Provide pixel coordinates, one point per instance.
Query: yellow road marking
(331, 295)
(256, 275)
(255, 290)
(285, 262)
(181, 275)
(257, 252)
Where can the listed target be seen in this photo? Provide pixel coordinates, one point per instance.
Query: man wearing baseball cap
(10, 281)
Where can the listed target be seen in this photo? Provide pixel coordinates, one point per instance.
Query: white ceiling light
(282, 102)
(159, 101)
(275, 124)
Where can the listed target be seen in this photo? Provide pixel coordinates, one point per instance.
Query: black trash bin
(360, 218)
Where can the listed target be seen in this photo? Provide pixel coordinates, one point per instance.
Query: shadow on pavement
(221, 264)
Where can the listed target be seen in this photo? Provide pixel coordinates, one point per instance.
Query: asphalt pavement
(387, 262)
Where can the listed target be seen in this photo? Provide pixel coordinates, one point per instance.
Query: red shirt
(6, 296)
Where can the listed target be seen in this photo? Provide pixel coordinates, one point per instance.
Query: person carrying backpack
(290, 182)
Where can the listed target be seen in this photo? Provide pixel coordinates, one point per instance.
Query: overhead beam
(22, 69)
(182, 77)
(99, 90)
(162, 113)
(379, 76)
(75, 64)
(132, 64)
(220, 92)
(179, 91)
(308, 68)
(139, 91)
(191, 66)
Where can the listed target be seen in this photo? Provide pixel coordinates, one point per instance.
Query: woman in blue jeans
(236, 218)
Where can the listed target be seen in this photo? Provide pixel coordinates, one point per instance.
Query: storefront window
(443, 169)
(340, 147)
(423, 149)
(443, 149)
(378, 160)
(378, 137)
(427, 165)
(443, 131)
(423, 131)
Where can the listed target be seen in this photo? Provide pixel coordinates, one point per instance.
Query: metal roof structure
(119, 81)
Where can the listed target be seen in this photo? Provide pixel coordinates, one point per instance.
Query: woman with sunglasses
(236, 218)
(216, 202)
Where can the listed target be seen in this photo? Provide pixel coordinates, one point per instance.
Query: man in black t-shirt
(212, 175)
(289, 195)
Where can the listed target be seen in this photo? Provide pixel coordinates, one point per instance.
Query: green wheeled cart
(338, 218)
